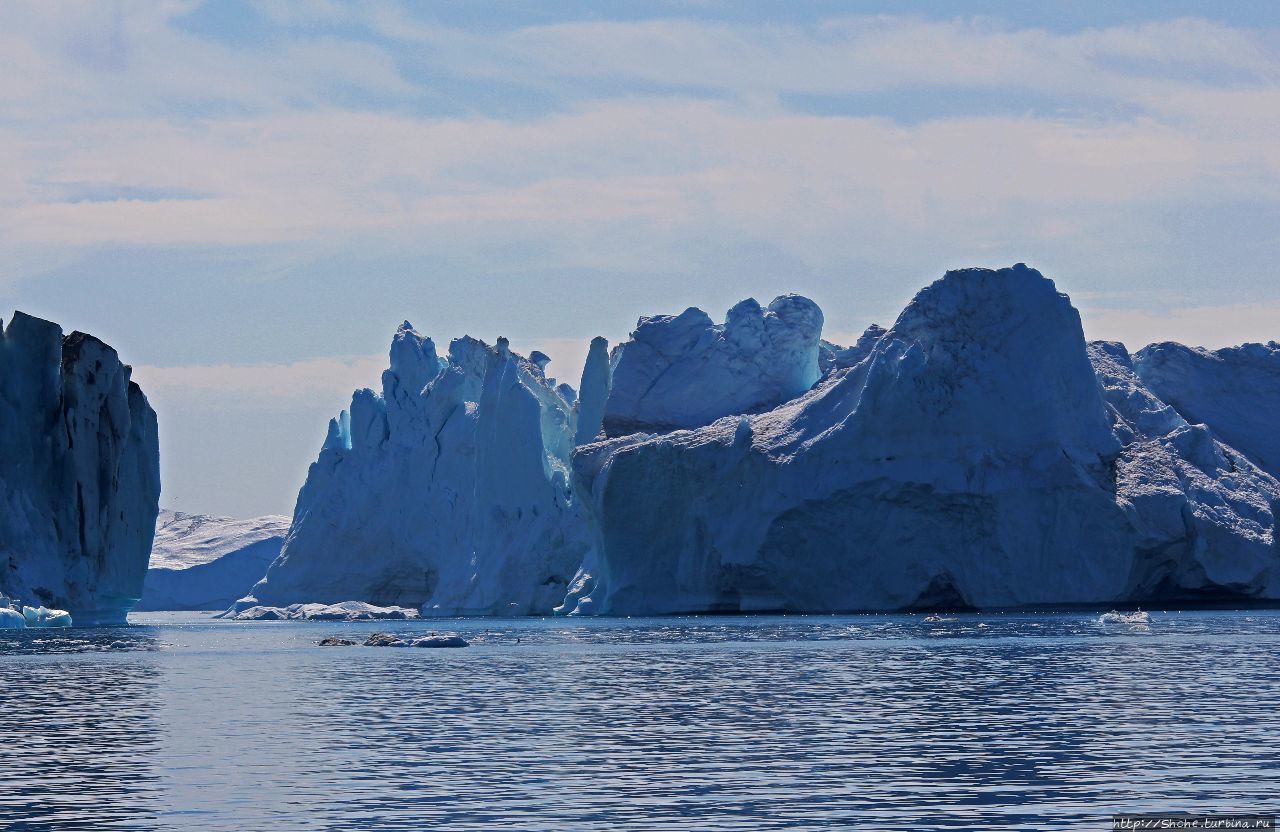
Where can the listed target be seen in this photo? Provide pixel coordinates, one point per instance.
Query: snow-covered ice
(79, 473)
(684, 371)
(200, 562)
(1234, 391)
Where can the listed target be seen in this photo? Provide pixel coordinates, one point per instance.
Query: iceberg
(1234, 391)
(979, 454)
(199, 562)
(448, 491)
(683, 371)
(79, 474)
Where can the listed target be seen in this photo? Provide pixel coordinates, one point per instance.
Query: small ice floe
(441, 641)
(44, 617)
(1116, 617)
(934, 619)
(336, 641)
(16, 615)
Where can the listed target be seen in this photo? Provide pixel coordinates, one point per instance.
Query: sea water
(1026, 721)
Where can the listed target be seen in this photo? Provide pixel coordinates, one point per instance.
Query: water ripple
(797, 722)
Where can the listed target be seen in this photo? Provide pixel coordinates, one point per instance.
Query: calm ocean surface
(1050, 721)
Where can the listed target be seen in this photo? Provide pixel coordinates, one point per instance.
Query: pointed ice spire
(597, 378)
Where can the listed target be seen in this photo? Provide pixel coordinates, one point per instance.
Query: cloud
(265, 143)
(330, 378)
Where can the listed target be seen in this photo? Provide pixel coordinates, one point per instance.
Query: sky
(246, 199)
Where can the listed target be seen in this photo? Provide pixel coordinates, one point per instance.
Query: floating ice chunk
(440, 641)
(44, 617)
(345, 611)
(385, 640)
(1114, 617)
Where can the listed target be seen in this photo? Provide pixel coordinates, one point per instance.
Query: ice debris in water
(441, 641)
(1116, 617)
(14, 615)
(345, 611)
(385, 640)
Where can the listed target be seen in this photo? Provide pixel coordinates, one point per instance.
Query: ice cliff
(978, 454)
(683, 371)
(1235, 391)
(448, 490)
(199, 562)
(79, 473)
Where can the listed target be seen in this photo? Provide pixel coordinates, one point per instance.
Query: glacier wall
(980, 454)
(79, 473)
(449, 491)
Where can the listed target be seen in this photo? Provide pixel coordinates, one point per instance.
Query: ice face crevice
(79, 473)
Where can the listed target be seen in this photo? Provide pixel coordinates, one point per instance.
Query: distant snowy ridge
(205, 563)
(185, 540)
(79, 473)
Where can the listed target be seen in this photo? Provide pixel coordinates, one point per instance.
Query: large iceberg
(200, 562)
(449, 490)
(683, 371)
(1235, 391)
(79, 473)
(979, 455)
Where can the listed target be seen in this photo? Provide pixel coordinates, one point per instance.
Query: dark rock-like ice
(79, 473)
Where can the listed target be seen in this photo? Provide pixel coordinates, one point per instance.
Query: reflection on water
(79, 734)
(883, 722)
